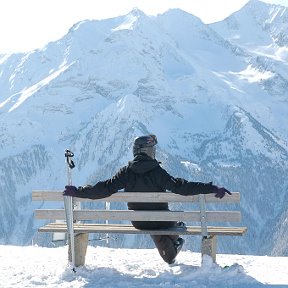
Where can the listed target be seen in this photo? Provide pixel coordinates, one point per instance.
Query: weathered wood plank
(209, 247)
(81, 243)
(129, 229)
(131, 215)
(38, 195)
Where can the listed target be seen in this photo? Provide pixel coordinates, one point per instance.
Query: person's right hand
(70, 191)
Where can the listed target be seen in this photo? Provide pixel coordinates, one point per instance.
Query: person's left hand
(220, 192)
(70, 191)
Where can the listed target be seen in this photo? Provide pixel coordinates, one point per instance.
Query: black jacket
(143, 174)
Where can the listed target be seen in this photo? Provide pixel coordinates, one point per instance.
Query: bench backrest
(38, 195)
(193, 216)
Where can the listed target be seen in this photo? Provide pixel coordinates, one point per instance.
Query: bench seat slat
(131, 215)
(129, 229)
(139, 197)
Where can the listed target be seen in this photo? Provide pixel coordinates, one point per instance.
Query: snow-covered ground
(32, 266)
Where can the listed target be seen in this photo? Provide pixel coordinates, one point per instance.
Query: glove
(70, 191)
(220, 192)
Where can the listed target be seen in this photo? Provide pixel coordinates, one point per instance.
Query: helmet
(145, 145)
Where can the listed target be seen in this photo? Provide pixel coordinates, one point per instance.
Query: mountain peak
(266, 23)
(137, 12)
(131, 19)
(176, 13)
(257, 4)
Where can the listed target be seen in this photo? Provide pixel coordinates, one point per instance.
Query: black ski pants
(164, 243)
(166, 247)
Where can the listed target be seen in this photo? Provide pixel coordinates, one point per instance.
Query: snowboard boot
(178, 244)
(180, 224)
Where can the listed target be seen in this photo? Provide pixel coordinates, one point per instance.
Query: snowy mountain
(215, 95)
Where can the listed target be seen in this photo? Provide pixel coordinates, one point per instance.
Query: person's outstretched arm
(101, 189)
(184, 187)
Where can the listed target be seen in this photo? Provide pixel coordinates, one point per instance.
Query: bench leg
(81, 243)
(208, 247)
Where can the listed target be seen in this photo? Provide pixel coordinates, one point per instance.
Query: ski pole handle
(69, 154)
(70, 165)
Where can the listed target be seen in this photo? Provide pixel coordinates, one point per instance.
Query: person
(144, 174)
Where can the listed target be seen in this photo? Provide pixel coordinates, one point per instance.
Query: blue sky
(31, 24)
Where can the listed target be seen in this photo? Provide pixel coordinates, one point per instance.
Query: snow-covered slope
(218, 107)
(33, 266)
(267, 24)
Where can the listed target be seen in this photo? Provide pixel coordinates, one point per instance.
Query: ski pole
(68, 206)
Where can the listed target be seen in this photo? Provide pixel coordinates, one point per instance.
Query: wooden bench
(202, 215)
